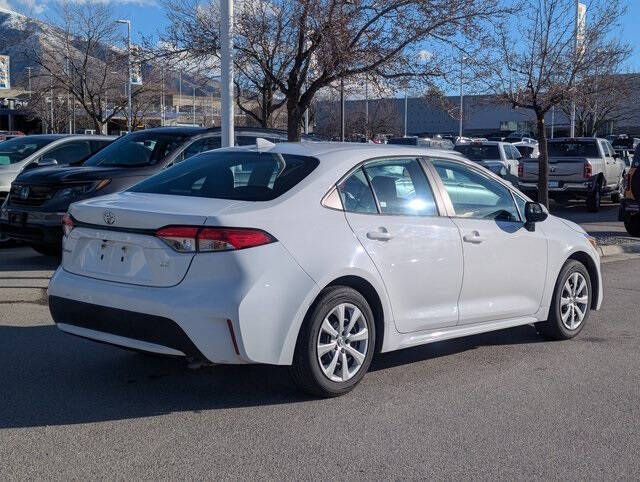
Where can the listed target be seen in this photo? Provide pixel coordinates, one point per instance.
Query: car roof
(356, 149)
(193, 131)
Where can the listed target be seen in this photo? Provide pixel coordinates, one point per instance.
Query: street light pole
(406, 105)
(366, 107)
(29, 70)
(179, 95)
(341, 110)
(128, 23)
(193, 107)
(226, 71)
(461, 96)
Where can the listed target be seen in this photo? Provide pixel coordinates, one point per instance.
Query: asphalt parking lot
(500, 405)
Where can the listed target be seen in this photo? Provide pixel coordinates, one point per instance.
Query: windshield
(404, 141)
(137, 150)
(242, 175)
(19, 148)
(478, 152)
(573, 149)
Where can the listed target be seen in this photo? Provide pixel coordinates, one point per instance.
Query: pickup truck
(579, 168)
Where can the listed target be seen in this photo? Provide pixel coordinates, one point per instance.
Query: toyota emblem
(109, 217)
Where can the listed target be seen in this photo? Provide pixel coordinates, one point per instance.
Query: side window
(507, 151)
(70, 152)
(516, 152)
(401, 187)
(475, 196)
(356, 194)
(611, 149)
(193, 149)
(97, 145)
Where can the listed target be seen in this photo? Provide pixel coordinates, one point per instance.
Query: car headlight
(592, 241)
(80, 189)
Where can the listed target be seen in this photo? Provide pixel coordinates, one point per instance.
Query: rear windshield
(526, 151)
(573, 149)
(627, 143)
(137, 150)
(242, 176)
(19, 148)
(478, 152)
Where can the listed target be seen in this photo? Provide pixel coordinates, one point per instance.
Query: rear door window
(401, 187)
(243, 176)
(356, 194)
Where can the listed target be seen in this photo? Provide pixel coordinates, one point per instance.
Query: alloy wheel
(343, 342)
(574, 301)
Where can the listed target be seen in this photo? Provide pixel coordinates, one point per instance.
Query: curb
(612, 250)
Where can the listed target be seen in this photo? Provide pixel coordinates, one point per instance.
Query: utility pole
(179, 95)
(193, 106)
(553, 120)
(128, 23)
(406, 105)
(29, 71)
(226, 77)
(342, 110)
(461, 96)
(366, 108)
(162, 100)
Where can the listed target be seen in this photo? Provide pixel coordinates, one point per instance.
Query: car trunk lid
(114, 238)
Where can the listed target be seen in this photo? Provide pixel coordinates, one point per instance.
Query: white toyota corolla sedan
(318, 256)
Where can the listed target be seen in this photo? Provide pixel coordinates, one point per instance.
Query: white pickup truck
(579, 168)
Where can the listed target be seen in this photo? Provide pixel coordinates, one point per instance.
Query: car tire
(593, 201)
(319, 366)
(48, 250)
(571, 297)
(632, 224)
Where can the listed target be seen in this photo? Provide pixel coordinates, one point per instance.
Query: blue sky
(147, 17)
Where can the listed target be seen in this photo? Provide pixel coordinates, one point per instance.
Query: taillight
(67, 224)
(190, 239)
(521, 169)
(222, 239)
(627, 181)
(588, 170)
(180, 238)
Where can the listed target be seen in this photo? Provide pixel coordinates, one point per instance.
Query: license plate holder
(554, 184)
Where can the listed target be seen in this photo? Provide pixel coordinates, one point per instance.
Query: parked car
(421, 142)
(6, 135)
(519, 137)
(528, 149)
(27, 152)
(581, 167)
(625, 143)
(318, 256)
(38, 199)
(500, 157)
(629, 211)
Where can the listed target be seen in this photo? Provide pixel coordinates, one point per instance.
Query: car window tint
(356, 194)
(240, 175)
(474, 195)
(70, 152)
(479, 152)
(401, 187)
(19, 148)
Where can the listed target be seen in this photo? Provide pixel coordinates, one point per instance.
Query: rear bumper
(31, 226)
(582, 188)
(257, 296)
(122, 327)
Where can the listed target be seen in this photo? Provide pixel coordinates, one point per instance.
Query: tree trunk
(294, 119)
(543, 161)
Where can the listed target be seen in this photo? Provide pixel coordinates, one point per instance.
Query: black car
(39, 198)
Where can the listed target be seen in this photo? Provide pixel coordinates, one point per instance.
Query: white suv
(318, 256)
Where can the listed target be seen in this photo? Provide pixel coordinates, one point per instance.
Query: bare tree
(601, 100)
(540, 66)
(80, 58)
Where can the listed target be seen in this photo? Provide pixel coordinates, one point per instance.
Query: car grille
(30, 195)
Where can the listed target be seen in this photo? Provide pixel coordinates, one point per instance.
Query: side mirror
(533, 213)
(47, 162)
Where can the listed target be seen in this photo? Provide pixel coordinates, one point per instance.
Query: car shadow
(50, 378)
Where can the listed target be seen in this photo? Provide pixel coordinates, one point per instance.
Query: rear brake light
(222, 239)
(180, 238)
(521, 169)
(588, 170)
(627, 182)
(67, 224)
(190, 239)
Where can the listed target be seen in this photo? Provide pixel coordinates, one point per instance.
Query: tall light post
(179, 95)
(29, 70)
(366, 107)
(226, 71)
(128, 23)
(461, 95)
(193, 106)
(406, 108)
(342, 110)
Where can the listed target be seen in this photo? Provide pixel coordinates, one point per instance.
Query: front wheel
(336, 343)
(570, 305)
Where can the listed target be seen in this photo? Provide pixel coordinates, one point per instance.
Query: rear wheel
(570, 305)
(336, 343)
(48, 249)
(593, 201)
(632, 224)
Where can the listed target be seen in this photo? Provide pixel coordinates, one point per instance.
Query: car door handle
(474, 238)
(380, 235)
